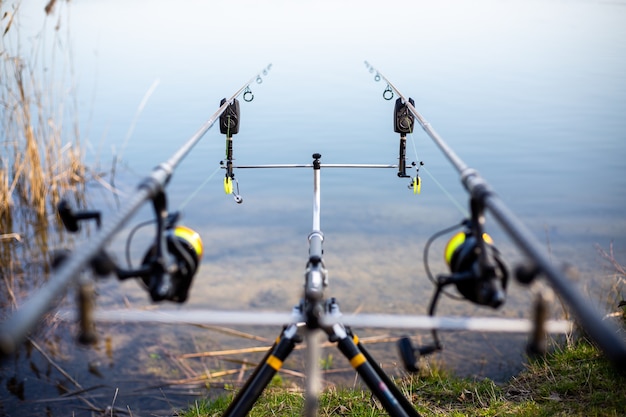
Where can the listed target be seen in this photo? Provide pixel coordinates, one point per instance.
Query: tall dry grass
(41, 158)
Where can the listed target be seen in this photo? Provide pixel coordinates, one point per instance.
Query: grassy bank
(572, 381)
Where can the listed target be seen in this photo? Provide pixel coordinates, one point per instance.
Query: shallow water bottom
(146, 370)
(374, 267)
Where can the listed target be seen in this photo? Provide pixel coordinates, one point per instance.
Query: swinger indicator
(228, 185)
(417, 185)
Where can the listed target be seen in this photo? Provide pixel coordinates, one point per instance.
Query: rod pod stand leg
(376, 380)
(404, 402)
(264, 372)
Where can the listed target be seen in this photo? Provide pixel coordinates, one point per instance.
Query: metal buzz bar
(321, 165)
(602, 332)
(15, 329)
(374, 321)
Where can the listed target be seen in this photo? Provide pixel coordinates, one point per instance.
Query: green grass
(572, 381)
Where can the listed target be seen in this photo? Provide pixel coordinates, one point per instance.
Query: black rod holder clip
(71, 219)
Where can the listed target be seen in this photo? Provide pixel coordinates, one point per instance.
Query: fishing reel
(480, 281)
(170, 263)
(167, 267)
(476, 270)
(171, 281)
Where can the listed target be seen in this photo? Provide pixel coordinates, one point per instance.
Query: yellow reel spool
(191, 237)
(456, 241)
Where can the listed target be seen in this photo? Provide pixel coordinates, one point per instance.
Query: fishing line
(429, 274)
(455, 202)
(148, 222)
(130, 238)
(197, 190)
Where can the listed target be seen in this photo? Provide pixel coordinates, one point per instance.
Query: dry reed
(41, 159)
(39, 168)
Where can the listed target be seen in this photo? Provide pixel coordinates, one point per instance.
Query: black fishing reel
(480, 281)
(171, 280)
(168, 266)
(476, 270)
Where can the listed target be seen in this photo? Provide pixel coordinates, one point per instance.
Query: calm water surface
(531, 94)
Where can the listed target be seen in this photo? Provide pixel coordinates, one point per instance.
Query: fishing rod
(16, 328)
(482, 196)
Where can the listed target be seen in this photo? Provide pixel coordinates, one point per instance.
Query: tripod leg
(263, 374)
(381, 389)
(313, 378)
(404, 402)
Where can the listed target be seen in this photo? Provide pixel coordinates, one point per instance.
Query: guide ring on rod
(259, 80)
(388, 93)
(377, 77)
(247, 95)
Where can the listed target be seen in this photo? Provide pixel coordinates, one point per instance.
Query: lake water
(530, 93)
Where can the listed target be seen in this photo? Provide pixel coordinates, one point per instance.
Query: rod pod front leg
(264, 372)
(378, 383)
(404, 402)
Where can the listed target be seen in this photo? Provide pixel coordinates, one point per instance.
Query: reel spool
(185, 248)
(480, 284)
